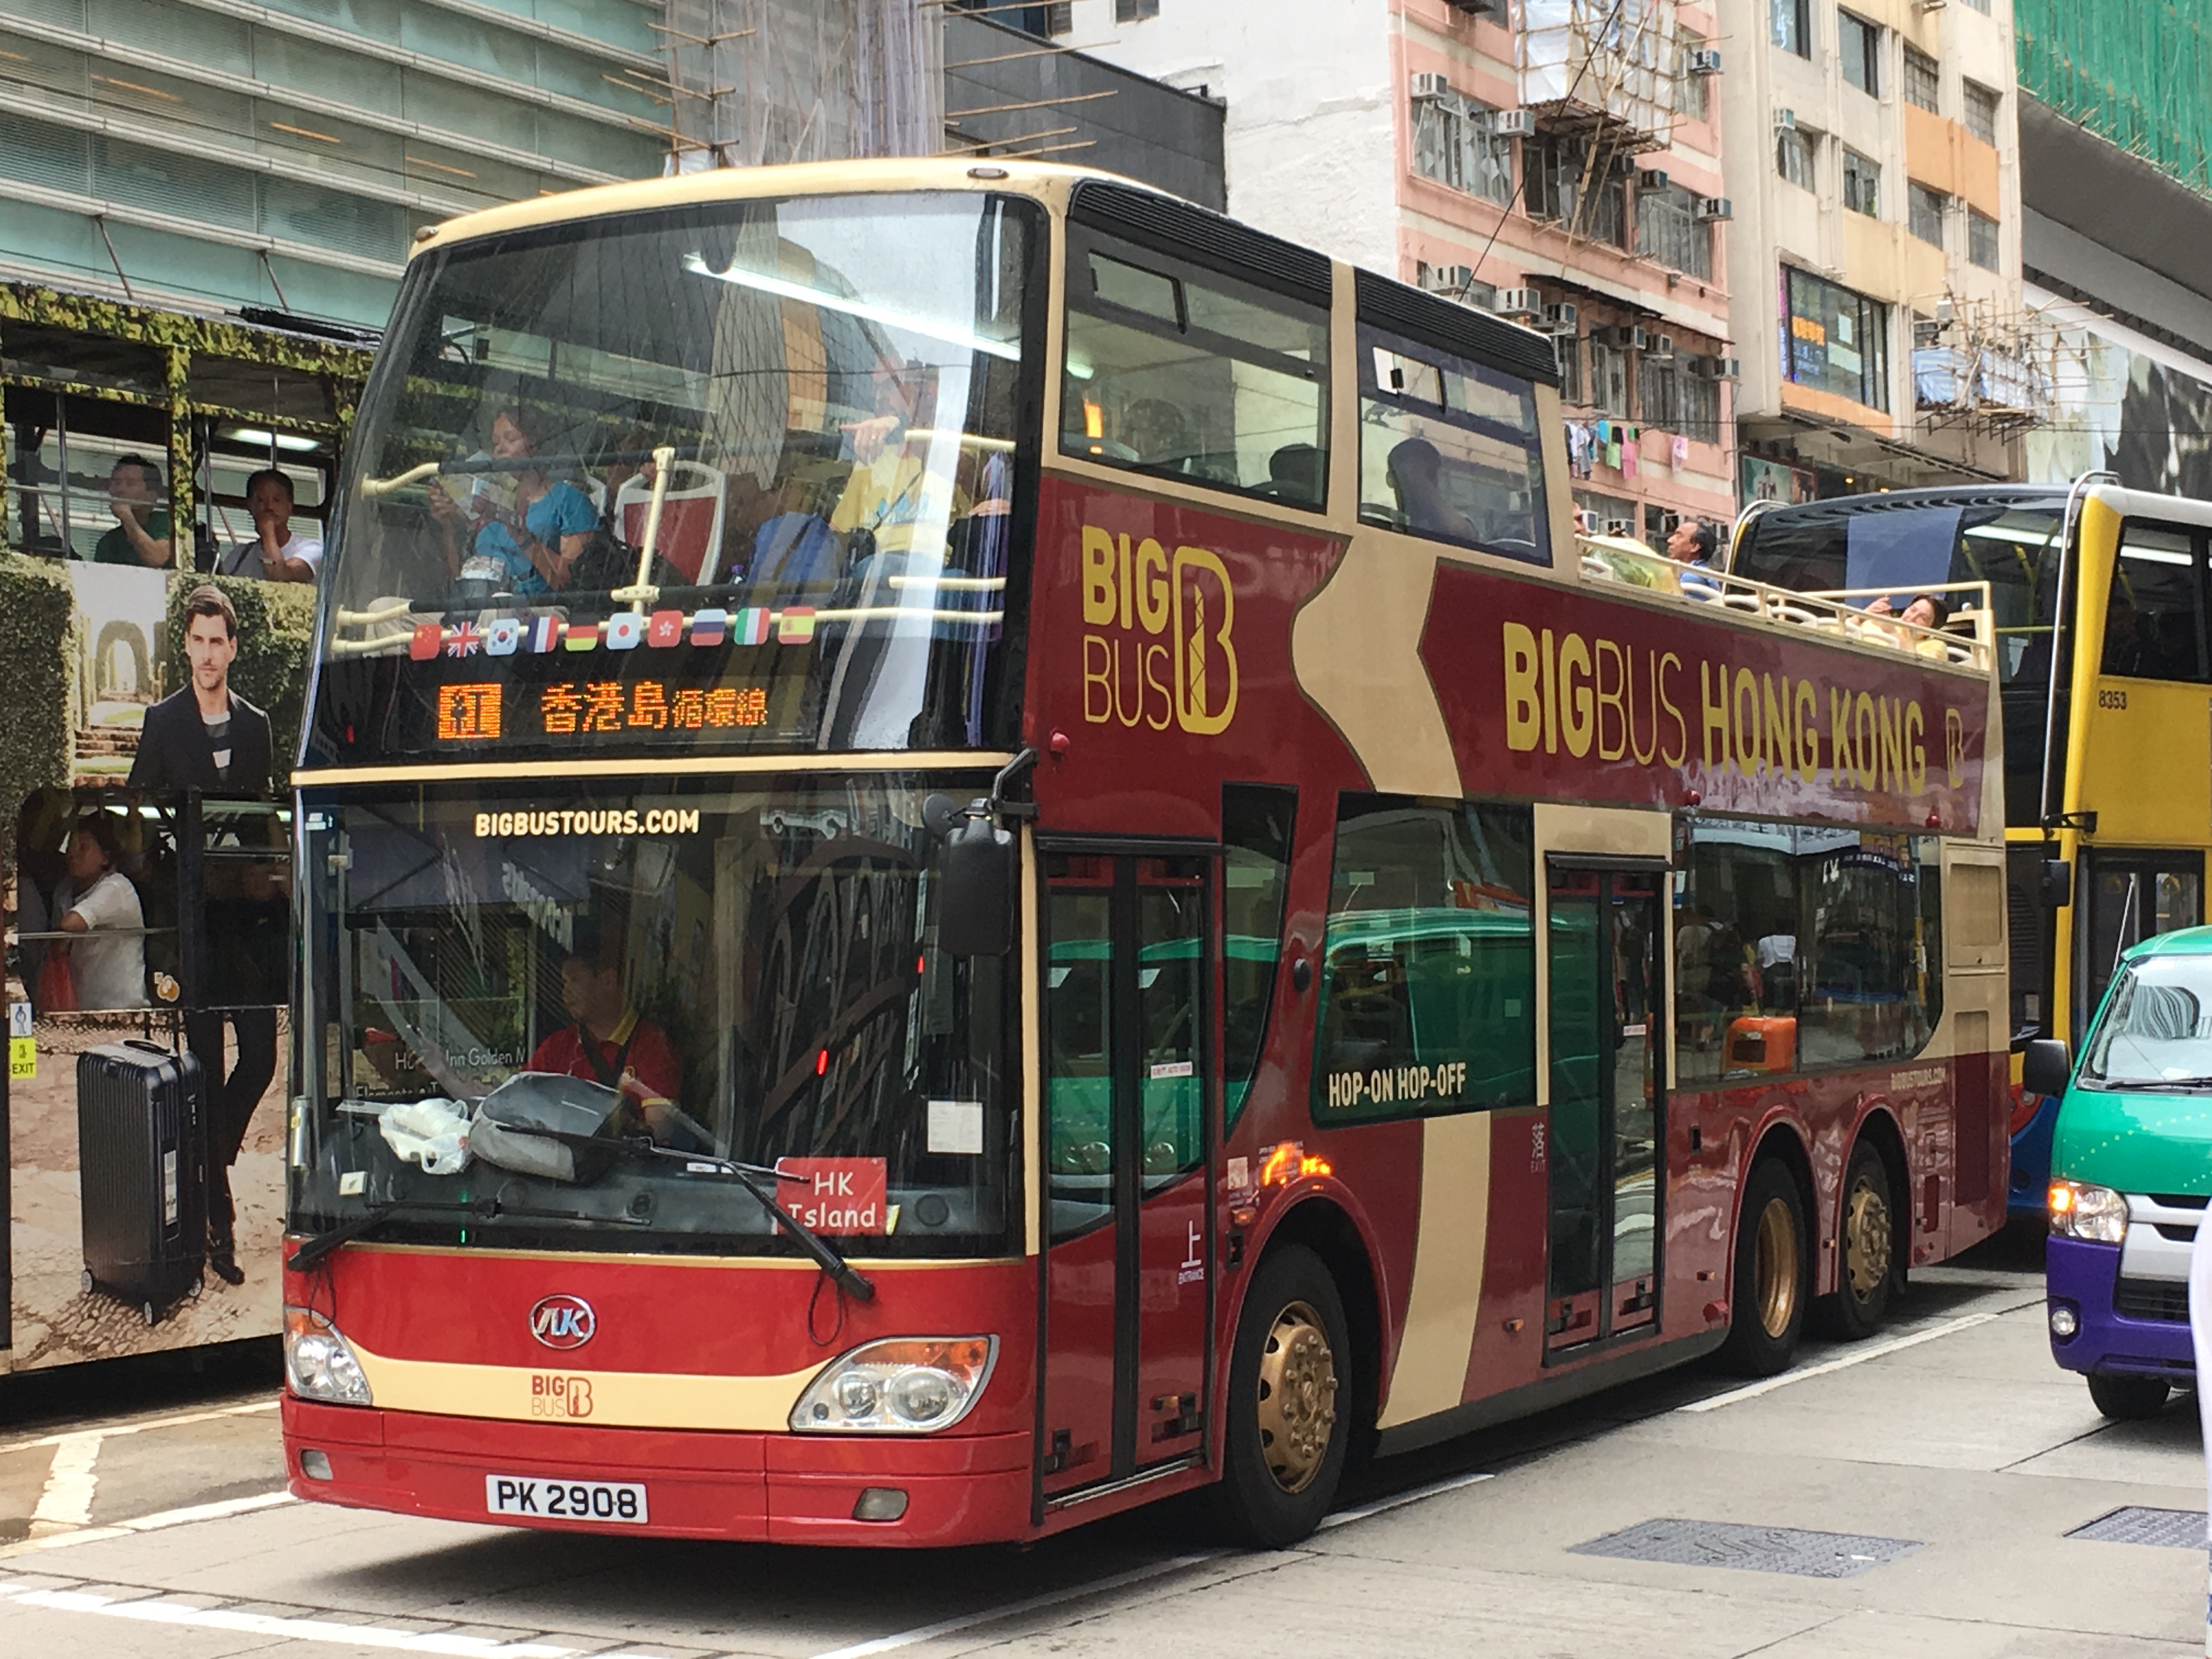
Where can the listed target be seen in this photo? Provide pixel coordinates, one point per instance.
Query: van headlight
(2096, 1214)
(318, 1364)
(905, 1385)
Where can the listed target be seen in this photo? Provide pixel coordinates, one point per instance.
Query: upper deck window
(2155, 620)
(837, 379)
(1449, 449)
(1176, 370)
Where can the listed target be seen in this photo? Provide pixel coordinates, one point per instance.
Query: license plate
(622, 1502)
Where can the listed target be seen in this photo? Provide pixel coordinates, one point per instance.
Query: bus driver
(612, 1043)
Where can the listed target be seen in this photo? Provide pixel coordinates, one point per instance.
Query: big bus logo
(1160, 652)
(563, 1322)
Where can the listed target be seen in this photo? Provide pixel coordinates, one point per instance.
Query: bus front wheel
(1287, 1418)
(1767, 1297)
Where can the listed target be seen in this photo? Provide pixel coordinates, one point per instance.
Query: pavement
(1948, 1458)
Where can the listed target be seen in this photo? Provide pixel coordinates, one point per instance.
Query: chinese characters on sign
(467, 713)
(569, 708)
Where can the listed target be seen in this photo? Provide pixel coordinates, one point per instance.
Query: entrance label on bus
(843, 1194)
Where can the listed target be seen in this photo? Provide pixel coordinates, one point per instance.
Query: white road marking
(217, 1512)
(1856, 1357)
(144, 1426)
(159, 1612)
(67, 1500)
(1434, 1489)
(1012, 1609)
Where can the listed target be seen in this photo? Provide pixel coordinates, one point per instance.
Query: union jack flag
(464, 640)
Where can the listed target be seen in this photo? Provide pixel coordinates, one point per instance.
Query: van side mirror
(2058, 886)
(975, 881)
(2044, 1067)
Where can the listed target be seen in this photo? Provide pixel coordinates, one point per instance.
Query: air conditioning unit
(1705, 60)
(1785, 120)
(1927, 5)
(1659, 349)
(1448, 279)
(1635, 339)
(1493, 10)
(1429, 86)
(1717, 368)
(1711, 208)
(1926, 331)
(1514, 124)
(1518, 303)
(1622, 166)
(1561, 318)
(1621, 527)
(1651, 179)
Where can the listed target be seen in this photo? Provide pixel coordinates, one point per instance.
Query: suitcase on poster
(142, 1173)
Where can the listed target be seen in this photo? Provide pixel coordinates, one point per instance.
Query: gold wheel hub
(1774, 1268)
(1298, 1397)
(1866, 1238)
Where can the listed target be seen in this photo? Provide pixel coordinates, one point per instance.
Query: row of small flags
(624, 631)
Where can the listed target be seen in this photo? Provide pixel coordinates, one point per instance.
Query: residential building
(2115, 165)
(1559, 161)
(1875, 265)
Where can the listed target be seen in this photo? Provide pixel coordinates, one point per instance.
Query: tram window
(1176, 370)
(2153, 625)
(1256, 824)
(1429, 969)
(1449, 449)
(1799, 948)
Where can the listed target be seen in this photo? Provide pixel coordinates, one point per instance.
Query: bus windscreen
(736, 474)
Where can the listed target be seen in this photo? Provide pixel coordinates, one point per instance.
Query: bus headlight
(2079, 1210)
(906, 1385)
(318, 1364)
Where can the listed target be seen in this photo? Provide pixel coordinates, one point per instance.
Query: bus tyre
(1766, 1312)
(1867, 1272)
(2124, 1399)
(1286, 1419)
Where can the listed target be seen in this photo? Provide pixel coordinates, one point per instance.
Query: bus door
(2132, 895)
(1608, 1025)
(1129, 974)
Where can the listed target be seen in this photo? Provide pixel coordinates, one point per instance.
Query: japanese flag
(625, 631)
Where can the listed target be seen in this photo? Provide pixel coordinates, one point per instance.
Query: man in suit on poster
(206, 736)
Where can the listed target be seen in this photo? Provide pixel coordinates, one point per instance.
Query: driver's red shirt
(653, 1061)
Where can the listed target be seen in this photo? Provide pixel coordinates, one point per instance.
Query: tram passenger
(612, 1043)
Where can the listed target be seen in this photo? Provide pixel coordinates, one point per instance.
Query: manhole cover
(1752, 1549)
(2181, 1529)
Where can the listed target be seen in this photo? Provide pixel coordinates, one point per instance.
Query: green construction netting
(2135, 71)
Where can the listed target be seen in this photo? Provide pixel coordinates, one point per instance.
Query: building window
(1861, 183)
(1793, 26)
(1667, 230)
(1135, 11)
(1982, 112)
(1924, 82)
(1794, 150)
(1555, 176)
(1858, 43)
(1981, 6)
(1981, 240)
(1924, 213)
(1700, 404)
(1608, 387)
(1570, 348)
(1667, 396)
(1834, 340)
(1453, 144)
(1692, 92)
(1428, 961)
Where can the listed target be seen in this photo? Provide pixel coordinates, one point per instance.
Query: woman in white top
(106, 970)
(274, 554)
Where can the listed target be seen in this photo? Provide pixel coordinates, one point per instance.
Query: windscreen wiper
(748, 1176)
(482, 1209)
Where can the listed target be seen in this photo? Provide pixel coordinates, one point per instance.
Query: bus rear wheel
(1868, 1272)
(1287, 1423)
(1767, 1294)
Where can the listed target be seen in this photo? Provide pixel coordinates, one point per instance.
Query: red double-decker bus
(975, 847)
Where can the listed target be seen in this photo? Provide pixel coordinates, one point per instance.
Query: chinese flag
(429, 638)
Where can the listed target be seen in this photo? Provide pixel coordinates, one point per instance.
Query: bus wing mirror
(2058, 884)
(2044, 1067)
(975, 905)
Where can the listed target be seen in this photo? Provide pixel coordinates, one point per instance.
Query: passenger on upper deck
(1691, 545)
(532, 546)
(894, 493)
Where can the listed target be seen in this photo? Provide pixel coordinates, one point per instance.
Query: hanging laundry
(1630, 454)
(1678, 452)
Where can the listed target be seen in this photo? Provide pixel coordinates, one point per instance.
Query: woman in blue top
(537, 546)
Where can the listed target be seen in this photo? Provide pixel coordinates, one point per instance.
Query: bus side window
(1176, 369)
(1257, 820)
(1428, 980)
(2154, 624)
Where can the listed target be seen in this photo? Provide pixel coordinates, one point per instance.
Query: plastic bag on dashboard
(532, 1123)
(433, 1134)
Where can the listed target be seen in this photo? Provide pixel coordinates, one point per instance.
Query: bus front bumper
(772, 1488)
(2083, 1277)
